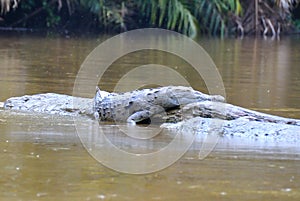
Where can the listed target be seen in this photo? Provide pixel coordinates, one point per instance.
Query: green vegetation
(191, 17)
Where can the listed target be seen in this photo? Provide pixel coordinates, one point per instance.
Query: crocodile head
(99, 96)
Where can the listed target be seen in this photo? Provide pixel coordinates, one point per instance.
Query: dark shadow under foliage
(190, 17)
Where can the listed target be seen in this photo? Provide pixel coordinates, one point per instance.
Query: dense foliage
(191, 17)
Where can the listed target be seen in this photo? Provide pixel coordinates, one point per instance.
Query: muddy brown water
(42, 158)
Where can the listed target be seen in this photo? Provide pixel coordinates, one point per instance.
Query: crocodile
(132, 107)
(172, 103)
(187, 110)
(139, 105)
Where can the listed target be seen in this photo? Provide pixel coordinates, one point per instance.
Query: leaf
(171, 14)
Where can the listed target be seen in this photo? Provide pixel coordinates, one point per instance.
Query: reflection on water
(42, 158)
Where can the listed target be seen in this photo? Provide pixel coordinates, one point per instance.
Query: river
(42, 158)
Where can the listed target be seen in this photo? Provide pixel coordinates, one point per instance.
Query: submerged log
(225, 111)
(233, 121)
(242, 127)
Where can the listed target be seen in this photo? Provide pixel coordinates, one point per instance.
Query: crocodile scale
(138, 105)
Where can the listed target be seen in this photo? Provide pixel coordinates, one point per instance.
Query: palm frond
(110, 14)
(170, 14)
(214, 14)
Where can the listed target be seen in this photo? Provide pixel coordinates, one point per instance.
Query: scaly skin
(142, 104)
